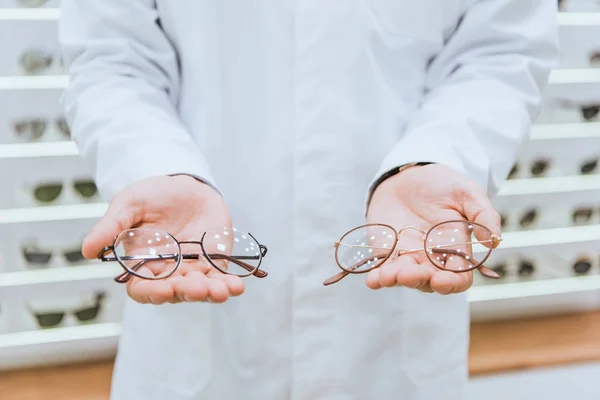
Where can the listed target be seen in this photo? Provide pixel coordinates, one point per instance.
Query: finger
(193, 287)
(405, 272)
(150, 291)
(372, 279)
(413, 275)
(234, 284)
(217, 291)
(477, 207)
(122, 213)
(446, 282)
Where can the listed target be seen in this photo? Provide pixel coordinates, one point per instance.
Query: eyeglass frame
(127, 275)
(483, 270)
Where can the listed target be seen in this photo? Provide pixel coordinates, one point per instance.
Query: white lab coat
(291, 109)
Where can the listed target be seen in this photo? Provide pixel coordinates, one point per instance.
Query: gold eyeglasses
(449, 246)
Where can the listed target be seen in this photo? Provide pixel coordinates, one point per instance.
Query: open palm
(423, 197)
(185, 208)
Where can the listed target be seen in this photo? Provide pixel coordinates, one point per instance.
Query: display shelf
(540, 186)
(42, 149)
(557, 76)
(53, 14)
(53, 213)
(41, 82)
(575, 19)
(549, 237)
(574, 75)
(59, 345)
(29, 14)
(586, 130)
(522, 290)
(57, 281)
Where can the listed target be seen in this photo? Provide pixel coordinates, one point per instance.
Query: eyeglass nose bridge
(397, 252)
(412, 228)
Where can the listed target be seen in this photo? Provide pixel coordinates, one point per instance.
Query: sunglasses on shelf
(33, 129)
(37, 61)
(49, 192)
(526, 268)
(526, 220)
(582, 215)
(537, 169)
(589, 112)
(582, 266)
(34, 256)
(85, 314)
(588, 166)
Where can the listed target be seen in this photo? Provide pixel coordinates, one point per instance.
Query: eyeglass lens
(85, 188)
(526, 268)
(233, 251)
(74, 256)
(33, 256)
(36, 61)
(590, 112)
(148, 253)
(589, 166)
(365, 248)
(458, 246)
(528, 218)
(582, 266)
(47, 193)
(582, 215)
(50, 319)
(539, 167)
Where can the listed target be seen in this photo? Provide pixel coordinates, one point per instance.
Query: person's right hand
(184, 207)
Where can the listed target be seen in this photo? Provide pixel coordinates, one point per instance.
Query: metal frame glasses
(447, 245)
(229, 250)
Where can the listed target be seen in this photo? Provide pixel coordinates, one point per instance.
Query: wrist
(195, 182)
(392, 176)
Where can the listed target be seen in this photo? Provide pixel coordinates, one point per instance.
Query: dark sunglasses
(582, 266)
(582, 215)
(36, 61)
(36, 257)
(526, 220)
(49, 192)
(86, 314)
(526, 268)
(588, 166)
(538, 168)
(33, 129)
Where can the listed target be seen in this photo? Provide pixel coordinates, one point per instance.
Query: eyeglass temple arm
(126, 276)
(236, 260)
(341, 275)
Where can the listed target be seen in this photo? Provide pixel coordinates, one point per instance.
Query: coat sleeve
(484, 91)
(121, 102)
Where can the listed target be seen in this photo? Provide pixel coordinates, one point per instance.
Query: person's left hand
(424, 196)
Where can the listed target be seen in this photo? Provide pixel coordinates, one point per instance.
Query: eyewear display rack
(98, 340)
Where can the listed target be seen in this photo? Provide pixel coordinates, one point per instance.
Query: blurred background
(536, 331)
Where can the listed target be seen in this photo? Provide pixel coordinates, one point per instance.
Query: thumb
(123, 213)
(477, 207)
